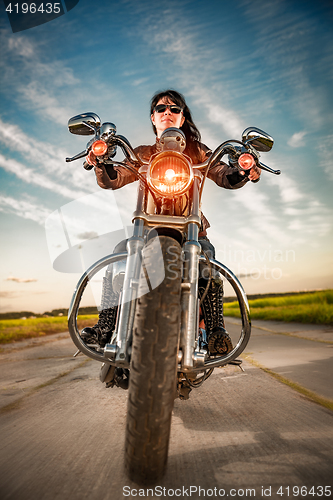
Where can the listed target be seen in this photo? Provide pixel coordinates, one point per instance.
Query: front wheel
(153, 369)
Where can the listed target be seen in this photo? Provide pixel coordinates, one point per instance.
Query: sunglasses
(160, 108)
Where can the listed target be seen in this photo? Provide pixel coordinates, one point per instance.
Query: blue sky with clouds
(239, 63)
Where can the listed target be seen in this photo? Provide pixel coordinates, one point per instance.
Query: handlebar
(118, 140)
(225, 148)
(127, 149)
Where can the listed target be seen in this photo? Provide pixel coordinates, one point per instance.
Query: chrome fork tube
(189, 300)
(131, 280)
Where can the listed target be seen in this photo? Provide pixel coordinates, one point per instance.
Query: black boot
(101, 332)
(219, 341)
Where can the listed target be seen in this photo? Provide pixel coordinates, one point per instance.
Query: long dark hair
(192, 134)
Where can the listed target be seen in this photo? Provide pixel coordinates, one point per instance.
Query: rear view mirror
(258, 139)
(84, 124)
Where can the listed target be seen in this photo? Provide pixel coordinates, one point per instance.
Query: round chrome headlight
(170, 174)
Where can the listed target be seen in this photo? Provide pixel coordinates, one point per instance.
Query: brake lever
(268, 169)
(78, 156)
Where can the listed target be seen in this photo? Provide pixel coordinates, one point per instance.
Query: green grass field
(314, 307)
(12, 330)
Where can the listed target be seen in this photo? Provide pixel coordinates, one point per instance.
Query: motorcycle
(157, 348)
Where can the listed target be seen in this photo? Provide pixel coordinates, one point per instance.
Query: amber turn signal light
(99, 148)
(246, 161)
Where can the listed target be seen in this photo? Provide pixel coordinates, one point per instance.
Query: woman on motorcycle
(169, 109)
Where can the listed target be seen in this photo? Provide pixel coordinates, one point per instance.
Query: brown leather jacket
(223, 175)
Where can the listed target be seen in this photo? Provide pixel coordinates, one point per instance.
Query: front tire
(153, 371)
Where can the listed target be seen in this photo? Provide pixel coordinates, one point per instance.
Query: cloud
(87, 235)
(313, 207)
(257, 204)
(46, 156)
(296, 140)
(51, 88)
(49, 169)
(228, 119)
(324, 150)
(314, 226)
(288, 189)
(38, 84)
(44, 103)
(30, 176)
(183, 48)
(21, 46)
(24, 208)
(20, 280)
(282, 215)
(282, 51)
(139, 81)
(302, 213)
(10, 295)
(285, 40)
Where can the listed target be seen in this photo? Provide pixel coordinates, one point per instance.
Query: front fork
(119, 353)
(190, 355)
(189, 300)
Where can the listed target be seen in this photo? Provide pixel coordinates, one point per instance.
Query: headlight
(170, 174)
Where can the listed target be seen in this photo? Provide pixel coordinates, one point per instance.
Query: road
(241, 434)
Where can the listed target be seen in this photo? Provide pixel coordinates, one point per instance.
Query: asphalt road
(242, 434)
(300, 353)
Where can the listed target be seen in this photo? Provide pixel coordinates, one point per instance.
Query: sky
(239, 63)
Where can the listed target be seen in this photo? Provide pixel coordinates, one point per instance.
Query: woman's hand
(91, 159)
(254, 174)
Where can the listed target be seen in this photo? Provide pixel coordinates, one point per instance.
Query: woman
(169, 109)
